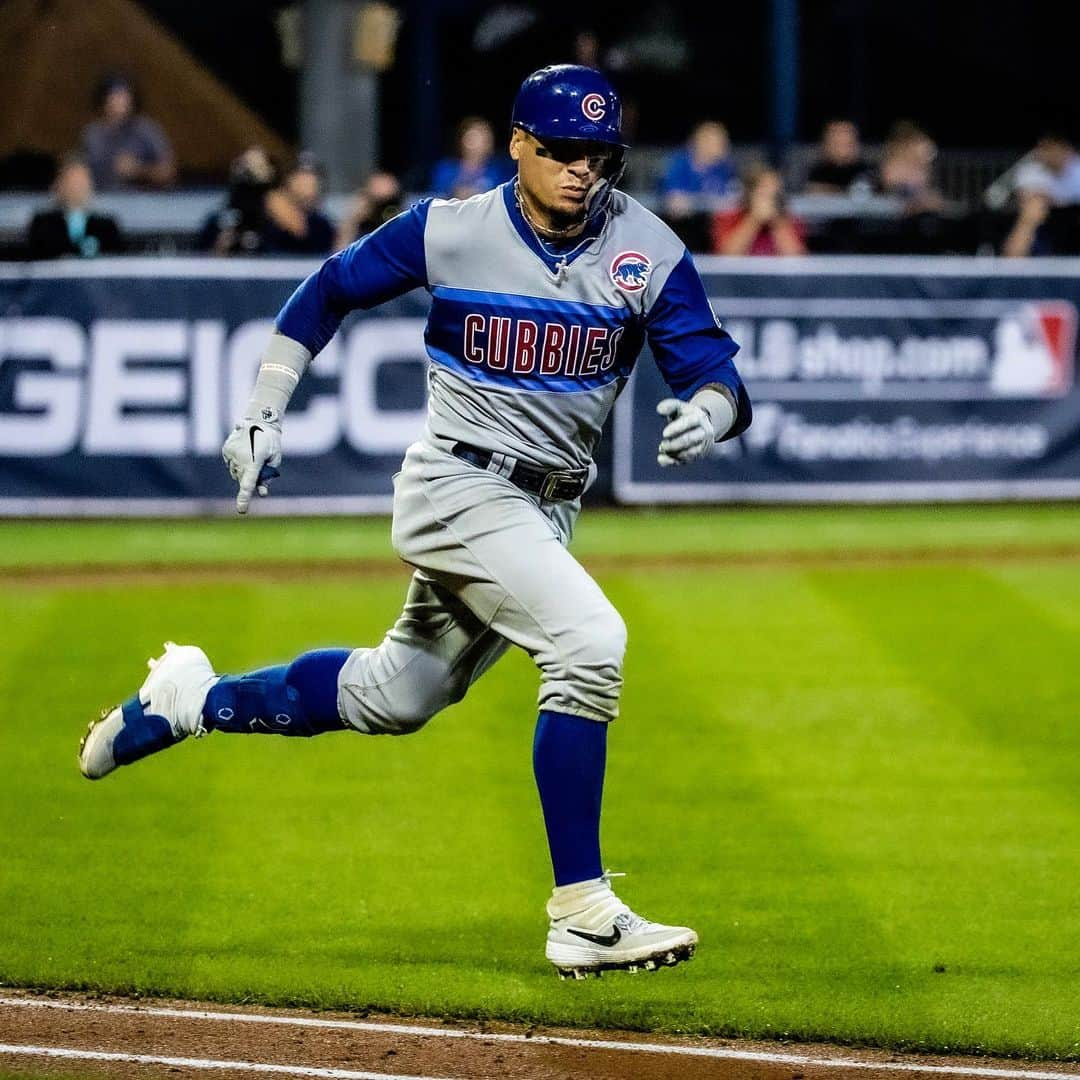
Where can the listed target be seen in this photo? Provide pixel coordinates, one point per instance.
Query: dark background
(974, 75)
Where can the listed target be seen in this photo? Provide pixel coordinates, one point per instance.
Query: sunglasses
(599, 157)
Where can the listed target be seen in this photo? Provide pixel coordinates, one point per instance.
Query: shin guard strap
(291, 699)
(260, 702)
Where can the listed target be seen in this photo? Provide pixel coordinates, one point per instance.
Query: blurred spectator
(70, 227)
(238, 227)
(761, 225)
(294, 223)
(906, 170)
(124, 148)
(700, 176)
(587, 48)
(840, 164)
(1055, 170)
(374, 204)
(1048, 201)
(476, 168)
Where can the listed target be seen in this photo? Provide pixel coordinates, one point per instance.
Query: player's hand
(253, 453)
(689, 434)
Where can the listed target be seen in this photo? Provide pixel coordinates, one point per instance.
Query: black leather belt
(557, 485)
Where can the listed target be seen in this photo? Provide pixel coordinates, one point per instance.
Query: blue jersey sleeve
(386, 263)
(689, 345)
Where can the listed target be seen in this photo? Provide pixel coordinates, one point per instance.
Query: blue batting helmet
(567, 101)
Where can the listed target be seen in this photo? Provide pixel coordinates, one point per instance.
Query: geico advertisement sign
(886, 349)
(165, 387)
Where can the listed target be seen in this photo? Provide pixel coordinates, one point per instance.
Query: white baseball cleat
(593, 931)
(167, 708)
(177, 686)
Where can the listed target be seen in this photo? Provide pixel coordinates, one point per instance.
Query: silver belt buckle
(550, 488)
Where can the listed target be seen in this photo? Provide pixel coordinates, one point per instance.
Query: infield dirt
(210, 1037)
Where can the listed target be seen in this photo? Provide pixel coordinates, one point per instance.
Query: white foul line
(720, 1052)
(203, 1063)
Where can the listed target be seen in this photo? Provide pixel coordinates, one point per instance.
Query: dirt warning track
(75, 1035)
(284, 571)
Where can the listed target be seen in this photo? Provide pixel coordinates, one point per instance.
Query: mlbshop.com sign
(933, 349)
(883, 379)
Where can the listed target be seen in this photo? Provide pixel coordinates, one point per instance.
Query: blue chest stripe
(544, 384)
(553, 309)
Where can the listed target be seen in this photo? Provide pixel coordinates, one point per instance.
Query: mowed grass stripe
(980, 888)
(790, 937)
(172, 804)
(1054, 590)
(600, 532)
(879, 811)
(106, 867)
(296, 838)
(978, 644)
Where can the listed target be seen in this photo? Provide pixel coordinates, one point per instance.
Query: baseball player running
(543, 292)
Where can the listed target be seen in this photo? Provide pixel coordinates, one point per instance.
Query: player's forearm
(284, 362)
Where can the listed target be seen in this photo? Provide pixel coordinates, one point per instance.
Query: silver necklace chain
(561, 255)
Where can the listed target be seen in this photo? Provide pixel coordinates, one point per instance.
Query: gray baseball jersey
(529, 344)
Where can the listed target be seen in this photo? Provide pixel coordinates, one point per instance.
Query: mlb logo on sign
(630, 271)
(1033, 351)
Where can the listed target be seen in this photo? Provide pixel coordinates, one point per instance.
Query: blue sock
(569, 756)
(291, 699)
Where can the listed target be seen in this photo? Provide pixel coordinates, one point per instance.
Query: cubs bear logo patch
(630, 270)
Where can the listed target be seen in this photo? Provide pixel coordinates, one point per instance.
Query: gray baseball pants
(492, 570)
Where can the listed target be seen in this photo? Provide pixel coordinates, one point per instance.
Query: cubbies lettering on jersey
(553, 350)
(528, 343)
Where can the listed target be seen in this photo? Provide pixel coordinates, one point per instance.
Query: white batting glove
(688, 436)
(253, 453)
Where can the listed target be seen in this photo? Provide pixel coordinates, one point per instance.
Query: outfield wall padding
(873, 380)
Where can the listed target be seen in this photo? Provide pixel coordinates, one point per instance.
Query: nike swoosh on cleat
(600, 939)
(251, 436)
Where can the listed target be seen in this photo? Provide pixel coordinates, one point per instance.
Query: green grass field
(859, 781)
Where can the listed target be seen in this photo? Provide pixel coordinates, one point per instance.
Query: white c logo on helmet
(593, 106)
